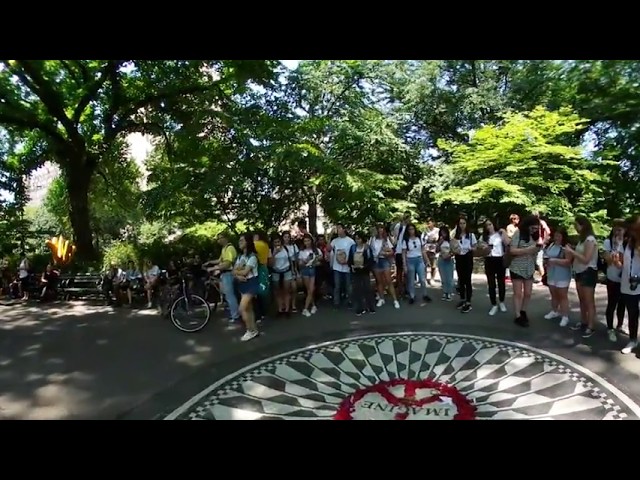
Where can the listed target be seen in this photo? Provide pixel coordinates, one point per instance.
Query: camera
(634, 281)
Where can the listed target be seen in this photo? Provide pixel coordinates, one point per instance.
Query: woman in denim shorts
(382, 250)
(281, 274)
(308, 259)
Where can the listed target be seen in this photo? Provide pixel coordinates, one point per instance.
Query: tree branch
(93, 88)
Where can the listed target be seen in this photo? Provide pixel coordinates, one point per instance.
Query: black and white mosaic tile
(505, 380)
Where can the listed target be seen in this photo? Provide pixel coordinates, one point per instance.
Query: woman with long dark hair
(523, 249)
(309, 259)
(382, 249)
(246, 274)
(630, 281)
(445, 264)
(494, 267)
(361, 262)
(558, 269)
(613, 250)
(414, 262)
(585, 267)
(465, 245)
(281, 274)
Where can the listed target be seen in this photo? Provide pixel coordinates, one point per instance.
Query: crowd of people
(399, 261)
(390, 262)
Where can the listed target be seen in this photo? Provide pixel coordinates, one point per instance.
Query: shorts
(309, 272)
(588, 278)
(515, 276)
(382, 264)
(283, 276)
(399, 266)
(559, 283)
(25, 283)
(250, 287)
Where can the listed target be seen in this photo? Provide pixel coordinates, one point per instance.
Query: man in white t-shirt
(339, 257)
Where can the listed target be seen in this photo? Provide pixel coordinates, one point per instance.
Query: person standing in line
(339, 260)
(398, 235)
(429, 240)
(545, 233)
(361, 262)
(445, 263)
(494, 267)
(245, 272)
(514, 221)
(585, 266)
(630, 281)
(224, 265)
(558, 268)
(613, 250)
(465, 244)
(523, 249)
(263, 252)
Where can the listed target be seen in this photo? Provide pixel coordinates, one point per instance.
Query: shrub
(120, 253)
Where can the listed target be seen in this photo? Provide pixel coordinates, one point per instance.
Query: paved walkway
(76, 361)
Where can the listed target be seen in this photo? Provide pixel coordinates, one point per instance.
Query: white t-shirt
(579, 267)
(466, 242)
(340, 244)
(293, 251)
(630, 268)
(613, 272)
(250, 261)
(23, 272)
(400, 229)
(413, 247)
(282, 259)
(307, 255)
(497, 248)
(445, 249)
(153, 272)
(377, 244)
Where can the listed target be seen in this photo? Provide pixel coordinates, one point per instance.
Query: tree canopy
(256, 143)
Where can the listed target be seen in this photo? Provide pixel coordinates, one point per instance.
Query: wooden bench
(80, 286)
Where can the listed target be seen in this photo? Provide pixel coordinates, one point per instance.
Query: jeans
(632, 302)
(362, 297)
(464, 267)
(494, 270)
(415, 266)
(615, 304)
(341, 280)
(228, 290)
(445, 267)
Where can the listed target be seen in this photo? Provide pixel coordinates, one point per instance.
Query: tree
(528, 161)
(75, 112)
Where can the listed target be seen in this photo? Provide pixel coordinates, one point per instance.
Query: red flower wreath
(465, 409)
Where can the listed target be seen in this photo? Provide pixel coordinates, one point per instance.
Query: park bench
(80, 286)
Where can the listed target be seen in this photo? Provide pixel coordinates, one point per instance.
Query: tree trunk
(78, 179)
(312, 216)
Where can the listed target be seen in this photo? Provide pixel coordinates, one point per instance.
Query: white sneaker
(631, 346)
(551, 315)
(150, 304)
(396, 304)
(564, 322)
(249, 335)
(611, 333)
(493, 310)
(380, 302)
(314, 310)
(306, 313)
(503, 307)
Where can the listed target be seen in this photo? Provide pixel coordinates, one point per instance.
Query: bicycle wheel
(190, 314)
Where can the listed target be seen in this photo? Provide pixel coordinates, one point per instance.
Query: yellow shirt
(228, 255)
(262, 249)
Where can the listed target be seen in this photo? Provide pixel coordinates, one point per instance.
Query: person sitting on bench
(49, 282)
(131, 279)
(111, 283)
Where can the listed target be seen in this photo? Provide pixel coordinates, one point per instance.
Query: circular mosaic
(500, 379)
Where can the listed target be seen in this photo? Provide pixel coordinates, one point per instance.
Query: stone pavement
(77, 361)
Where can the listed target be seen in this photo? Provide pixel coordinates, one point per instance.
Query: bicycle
(182, 302)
